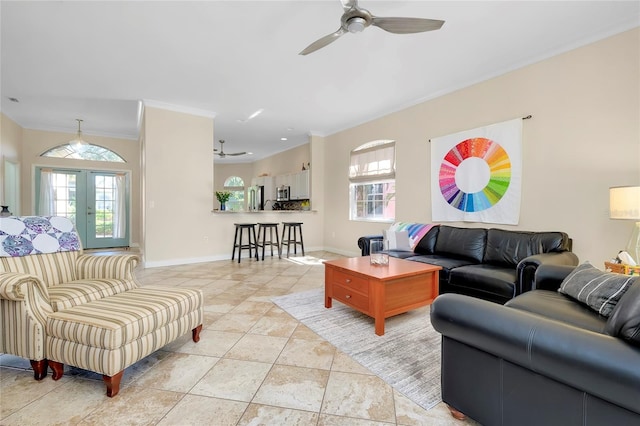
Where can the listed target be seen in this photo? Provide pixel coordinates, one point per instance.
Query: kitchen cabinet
(305, 184)
(283, 180)
(300, 185)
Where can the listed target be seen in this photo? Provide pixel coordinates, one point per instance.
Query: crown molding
(177, 108)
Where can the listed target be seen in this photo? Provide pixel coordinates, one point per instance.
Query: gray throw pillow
(624, 322)
(599, 290)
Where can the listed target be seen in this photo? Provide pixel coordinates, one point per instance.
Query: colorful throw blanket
(26, 235)
(415, 230)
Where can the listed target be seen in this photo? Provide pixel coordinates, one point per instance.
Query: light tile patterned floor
(254, 365)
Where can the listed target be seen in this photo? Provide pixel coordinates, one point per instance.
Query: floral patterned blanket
(26, 235)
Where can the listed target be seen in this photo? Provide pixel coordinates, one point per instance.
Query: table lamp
(624, 203)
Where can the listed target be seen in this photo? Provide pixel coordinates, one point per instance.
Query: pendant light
(77, 144)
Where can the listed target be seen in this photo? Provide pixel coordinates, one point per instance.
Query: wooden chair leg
(456, 414)
(113, 383)
(39, 369)
(195, 333)
(57, 369)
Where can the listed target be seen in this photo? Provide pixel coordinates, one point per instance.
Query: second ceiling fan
(221, 152)
(355, 19)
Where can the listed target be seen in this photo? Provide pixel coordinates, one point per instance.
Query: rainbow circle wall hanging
(484, 157)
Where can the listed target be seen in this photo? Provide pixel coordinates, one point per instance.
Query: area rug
(305, 260)
(407, 357)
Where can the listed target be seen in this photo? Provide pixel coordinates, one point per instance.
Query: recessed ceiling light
(251, 117)
(249, 153)
(290, 129)
(283, 139)
(255, 114)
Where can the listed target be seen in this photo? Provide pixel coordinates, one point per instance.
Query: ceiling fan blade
(322, 42)
(236, 153)
(349, 4)
(407, 25)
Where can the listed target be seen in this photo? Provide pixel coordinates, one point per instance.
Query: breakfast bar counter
(261, 211)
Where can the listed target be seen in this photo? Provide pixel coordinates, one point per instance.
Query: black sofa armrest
(598, 364)
(363, 243)
(549, 277)
(526, 269)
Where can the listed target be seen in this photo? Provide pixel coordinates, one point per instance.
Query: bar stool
(295, 226)
(237, 242)
(262, 240)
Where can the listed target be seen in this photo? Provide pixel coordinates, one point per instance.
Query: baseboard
(189, 261)
(175, 262)
(343, 252)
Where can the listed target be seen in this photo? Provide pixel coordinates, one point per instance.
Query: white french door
(96, 201)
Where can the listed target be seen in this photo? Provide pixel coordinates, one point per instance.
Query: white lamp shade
(624, 202)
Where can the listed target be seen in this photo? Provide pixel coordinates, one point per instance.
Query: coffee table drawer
(351, 281)
(351, 298)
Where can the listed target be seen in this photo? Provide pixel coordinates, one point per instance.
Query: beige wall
(10, 150)
(583, 138)
(289, 161)
(35, 142)
(316, 180)
(178, 185)
(179, 225)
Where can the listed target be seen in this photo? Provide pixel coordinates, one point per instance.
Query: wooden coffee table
(380, 291)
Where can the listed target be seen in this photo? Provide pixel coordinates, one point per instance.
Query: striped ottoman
(110, 334)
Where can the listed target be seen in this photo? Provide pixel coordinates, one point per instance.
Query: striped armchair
(60, 306)
(39, 277)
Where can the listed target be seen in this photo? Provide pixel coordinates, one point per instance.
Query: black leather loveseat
(541, 359)
(491, 264)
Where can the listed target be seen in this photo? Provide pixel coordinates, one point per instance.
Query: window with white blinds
(374, 160)
(372, 187)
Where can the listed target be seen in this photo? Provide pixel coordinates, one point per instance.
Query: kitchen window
(235, 185)
(372, 187)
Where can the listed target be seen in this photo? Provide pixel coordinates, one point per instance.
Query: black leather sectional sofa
(491, 264)
(542, 358)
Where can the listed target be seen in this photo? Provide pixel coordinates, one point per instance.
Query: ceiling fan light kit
(356, 25)
(355, 20)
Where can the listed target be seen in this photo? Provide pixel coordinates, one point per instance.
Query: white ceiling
(96, 60)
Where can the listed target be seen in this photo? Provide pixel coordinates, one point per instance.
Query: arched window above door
(88, 152)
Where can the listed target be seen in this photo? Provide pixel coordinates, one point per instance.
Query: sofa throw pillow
(27, 235)
(398, 240)
(415, 230)
(624, 322)
(599, 290)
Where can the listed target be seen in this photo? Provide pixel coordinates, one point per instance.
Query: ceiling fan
(355, 19)
(222, 154)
